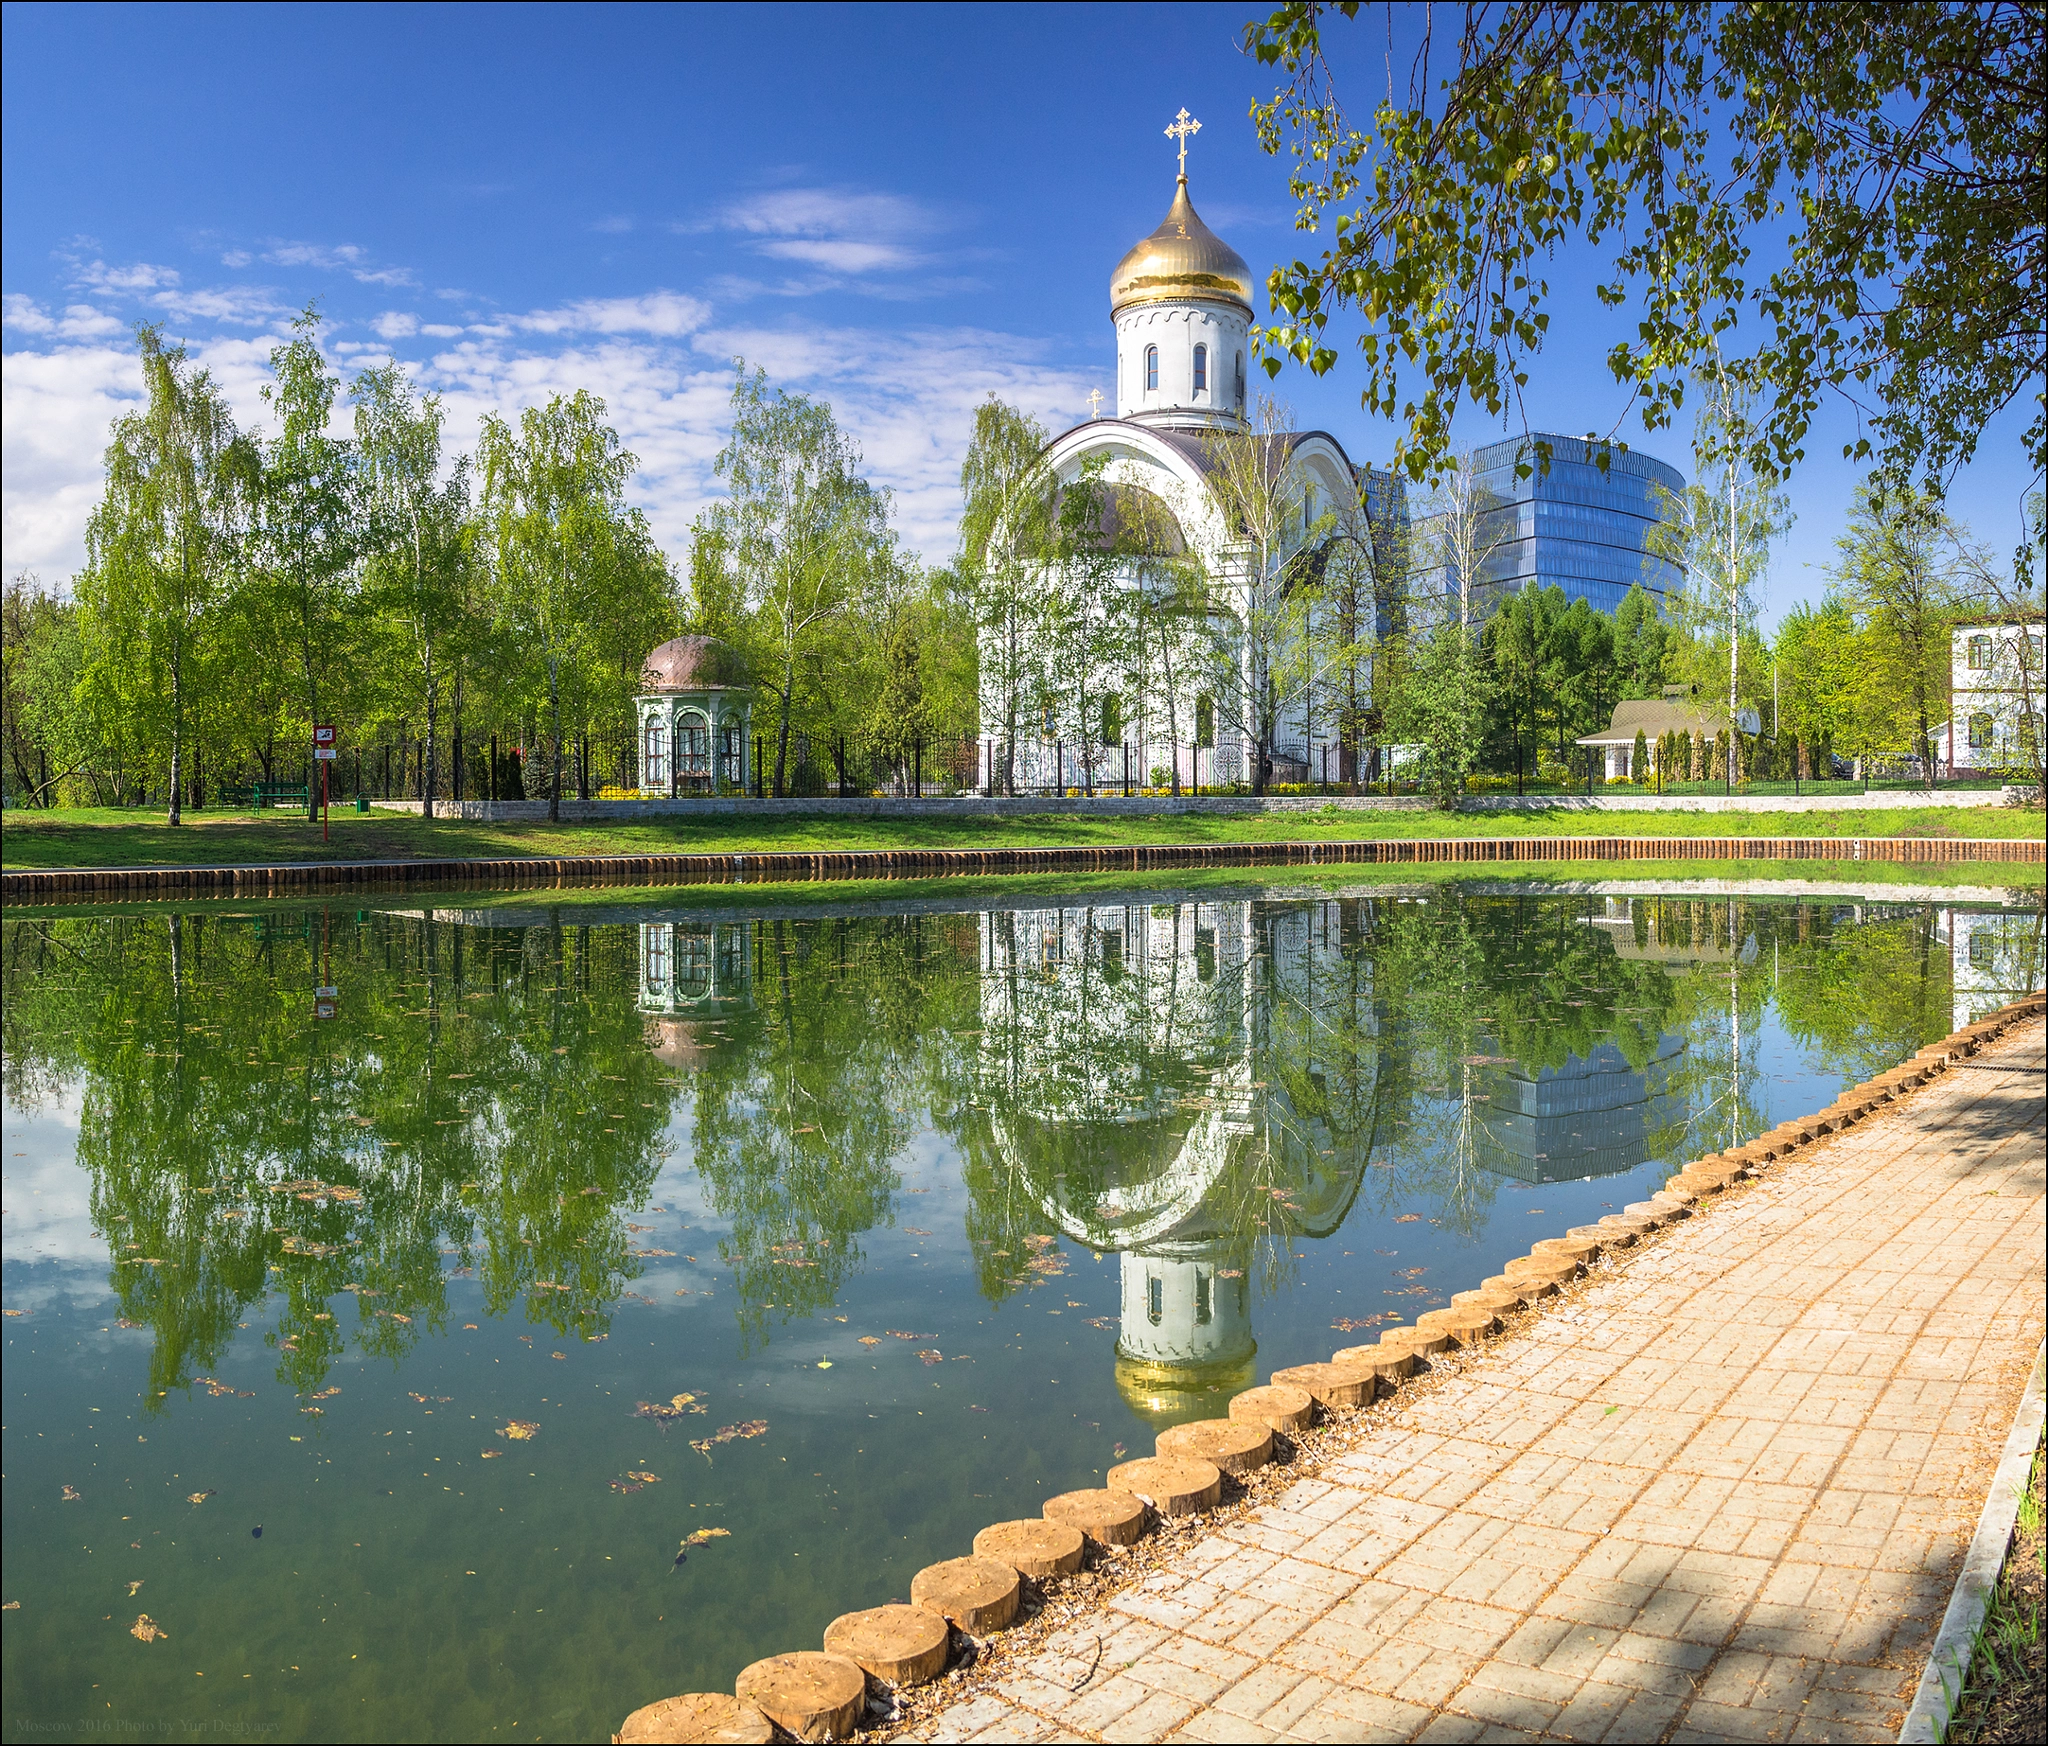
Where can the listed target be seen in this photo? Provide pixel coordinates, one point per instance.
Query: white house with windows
(1181, 305)
(1995, 696)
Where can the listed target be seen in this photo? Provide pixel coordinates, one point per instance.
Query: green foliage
(578, 589)
(1891, 151)
(1443, 690)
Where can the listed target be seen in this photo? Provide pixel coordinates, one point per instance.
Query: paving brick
(1807, 1388)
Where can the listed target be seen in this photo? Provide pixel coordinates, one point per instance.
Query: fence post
(917, 764)
(1127, 769)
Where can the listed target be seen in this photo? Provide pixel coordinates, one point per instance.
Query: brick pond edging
(869, 1657)
(110, 884)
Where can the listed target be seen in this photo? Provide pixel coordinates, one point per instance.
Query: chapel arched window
(1240, 378)
(1151, 369)
(1201, 369)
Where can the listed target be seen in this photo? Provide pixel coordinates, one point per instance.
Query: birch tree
(416, 536)
(306, 531)
(161, 545)
(1009, 507)
(1719, 530)
(800, 528)
(560, 541)
(1263, 659)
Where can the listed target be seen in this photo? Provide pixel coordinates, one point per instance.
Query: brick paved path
(1723, 1496)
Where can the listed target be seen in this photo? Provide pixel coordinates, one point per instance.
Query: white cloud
(843, 231)
(131, 280)
(394, 324)
(841, 256)
(313, 255)
(78, 320)
(658, 312)
(236, 258)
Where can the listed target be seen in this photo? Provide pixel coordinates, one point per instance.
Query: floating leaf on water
(932, 1357)
(327, 1393)
(726, 1434)
(562, 1355)
(133, 1586)
(644, 1477)
(913, 1231)
(1230, 1273)
(71, 1494)
(621, 1485)
(902, 1334)
(704, 1536)
(869, 1340)
(491, 1454)
(147, 1629)
(13, 1312)
(199, 1497)
(1407, 1218)
(824, 1364)
(666, 1410)
(520, 1430)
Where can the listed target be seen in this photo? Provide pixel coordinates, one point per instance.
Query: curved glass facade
(1582, 530)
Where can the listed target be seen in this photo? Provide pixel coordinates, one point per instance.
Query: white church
(1181, 304)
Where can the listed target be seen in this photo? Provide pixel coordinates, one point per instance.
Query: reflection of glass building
(690, 977)
(1118, 1055)
(1595, 1116)
(1585, 531)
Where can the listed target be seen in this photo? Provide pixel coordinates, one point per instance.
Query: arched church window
(1151, 369)
(1201, 369)
(1240, 378)
(1155, 1299)
(1202, 1312)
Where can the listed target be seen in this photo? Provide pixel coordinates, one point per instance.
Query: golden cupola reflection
(1183, 259)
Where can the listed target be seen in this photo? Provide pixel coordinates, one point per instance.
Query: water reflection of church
(1157, 1076)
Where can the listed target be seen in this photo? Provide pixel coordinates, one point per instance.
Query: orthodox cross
(1183, 125)
(1095, 403)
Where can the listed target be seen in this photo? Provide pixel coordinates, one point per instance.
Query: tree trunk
(430, 764)
(782, 727)
(458, 734)
(554, 740)
(176, 815)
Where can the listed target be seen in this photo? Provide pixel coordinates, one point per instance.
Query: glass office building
(1584, 530)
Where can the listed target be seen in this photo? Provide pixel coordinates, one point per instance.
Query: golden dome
(1183, 258)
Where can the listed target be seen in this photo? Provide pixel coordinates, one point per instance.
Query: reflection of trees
(237, 1146)
(805, 1101)
(1863, 995)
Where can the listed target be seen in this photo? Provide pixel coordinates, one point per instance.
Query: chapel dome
(1182, 259)
(693, 664)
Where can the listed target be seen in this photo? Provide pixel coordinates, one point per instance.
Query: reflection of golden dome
(1174, 1394)
(1183, 258)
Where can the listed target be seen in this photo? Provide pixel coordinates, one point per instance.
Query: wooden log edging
(514, 873)
(1378, 1368)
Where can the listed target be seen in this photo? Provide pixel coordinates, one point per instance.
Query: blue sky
(902, 210)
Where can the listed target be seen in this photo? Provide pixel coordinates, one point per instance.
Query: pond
(392, 1295)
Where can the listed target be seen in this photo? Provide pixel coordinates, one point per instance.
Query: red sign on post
(324, 735)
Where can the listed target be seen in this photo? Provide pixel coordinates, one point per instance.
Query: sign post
(323, 755)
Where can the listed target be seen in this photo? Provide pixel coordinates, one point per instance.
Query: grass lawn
(106, 837)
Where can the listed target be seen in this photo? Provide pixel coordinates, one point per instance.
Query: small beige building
(695, 710)
(1677, 711)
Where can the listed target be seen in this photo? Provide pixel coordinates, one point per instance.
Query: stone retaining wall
(93, 885)
(856, 1680)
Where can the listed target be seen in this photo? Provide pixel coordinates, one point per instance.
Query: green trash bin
(362, 803)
